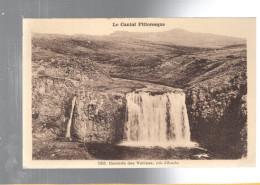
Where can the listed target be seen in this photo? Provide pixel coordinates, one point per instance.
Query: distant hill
(182, 37)
(124, 55)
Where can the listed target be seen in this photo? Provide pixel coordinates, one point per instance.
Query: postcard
(139, 92)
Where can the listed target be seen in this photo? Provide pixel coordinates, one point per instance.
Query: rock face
(95, 115)
(218, 117)
(99, 117)
(49, 106)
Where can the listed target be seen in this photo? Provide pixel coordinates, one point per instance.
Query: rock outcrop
(56, 84)
(218, 117)
(99, 117)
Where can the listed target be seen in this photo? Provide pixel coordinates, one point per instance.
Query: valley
(101, 70)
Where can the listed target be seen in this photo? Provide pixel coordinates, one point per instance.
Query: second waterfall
(157, 120)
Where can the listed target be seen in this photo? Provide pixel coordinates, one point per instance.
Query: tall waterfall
(157, 120)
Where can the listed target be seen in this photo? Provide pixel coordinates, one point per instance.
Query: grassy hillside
(183, 37)
(168, 64)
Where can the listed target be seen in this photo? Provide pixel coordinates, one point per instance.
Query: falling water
(157, 120)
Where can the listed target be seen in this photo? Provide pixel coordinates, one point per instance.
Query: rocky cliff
(99, 117)
(96, 116)
(218, 117)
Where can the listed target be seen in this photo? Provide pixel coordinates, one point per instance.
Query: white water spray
(157, 120)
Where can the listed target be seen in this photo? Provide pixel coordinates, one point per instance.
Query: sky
(236, 27)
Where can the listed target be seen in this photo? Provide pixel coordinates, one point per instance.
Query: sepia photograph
(134, 93)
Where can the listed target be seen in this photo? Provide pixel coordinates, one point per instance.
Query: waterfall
(157, 120)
